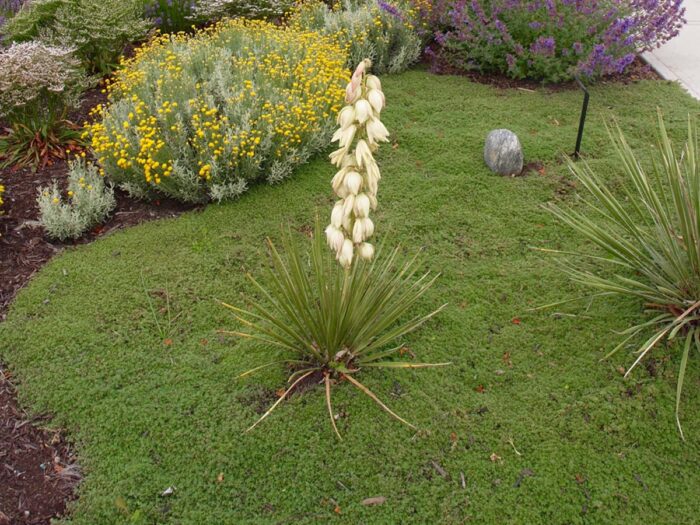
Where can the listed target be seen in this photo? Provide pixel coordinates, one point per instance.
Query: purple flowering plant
(171, 15)
(550, 40)
(7, 9)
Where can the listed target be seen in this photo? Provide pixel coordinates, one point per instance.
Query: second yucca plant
(332, 320)
(651, 235)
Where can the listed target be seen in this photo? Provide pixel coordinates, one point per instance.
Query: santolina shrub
(200, 118)
(88, 202)
(551, 40)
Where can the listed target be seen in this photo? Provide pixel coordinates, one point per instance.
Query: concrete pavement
(679, 59)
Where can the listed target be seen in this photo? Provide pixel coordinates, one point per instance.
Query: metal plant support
(582, 121)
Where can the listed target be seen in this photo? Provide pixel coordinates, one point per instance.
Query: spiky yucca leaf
(651, 234)
(335, 321)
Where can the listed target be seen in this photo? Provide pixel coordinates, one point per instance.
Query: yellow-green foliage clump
(386, 35)
(199, 118)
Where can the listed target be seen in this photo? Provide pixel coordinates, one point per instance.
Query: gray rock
(503, 152)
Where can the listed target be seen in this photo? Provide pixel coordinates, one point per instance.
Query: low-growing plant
(202, 117)
(38, 86)
(551, 40)
(650, 232)
(381, 31)
(333, 320)
(98, 30)
(88, 202)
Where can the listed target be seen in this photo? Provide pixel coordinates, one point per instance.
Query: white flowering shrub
(364, 29)
(37, 78)
(98, 30)
(205, 10)
(39, 84)
(88, 202)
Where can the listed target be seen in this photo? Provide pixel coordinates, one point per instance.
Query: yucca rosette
(357, 181)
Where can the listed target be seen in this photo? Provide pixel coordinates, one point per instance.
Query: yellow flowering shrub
(200, 117)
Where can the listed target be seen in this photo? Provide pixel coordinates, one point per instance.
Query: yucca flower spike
(357, 181)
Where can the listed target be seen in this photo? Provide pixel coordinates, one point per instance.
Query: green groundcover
(118, 341)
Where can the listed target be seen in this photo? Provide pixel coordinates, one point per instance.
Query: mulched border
(34, 461)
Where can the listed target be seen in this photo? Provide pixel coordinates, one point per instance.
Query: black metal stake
(582, 121)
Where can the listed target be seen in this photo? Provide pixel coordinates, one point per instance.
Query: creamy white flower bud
(346, 117)
(365, 251)
(344, 137)
(360, 70)
(363, 155)
(374, 82)
(335, 238)
(372, 185)
(338, 179)
(358, 231)
(345, 253)
(353, 182)
(362, 205)
(373, 170)
(363, 111)
(342, 192)
(348, 223)
(337, 214)
(373, 201)
(338, 156)
(367, 226)
(376, 100)
(376, 131)
(348, 205)
(352, 93)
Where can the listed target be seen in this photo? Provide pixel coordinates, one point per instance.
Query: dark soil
(37, 471)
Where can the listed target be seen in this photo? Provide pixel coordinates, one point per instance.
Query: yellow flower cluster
(188, 113)
(2, 190)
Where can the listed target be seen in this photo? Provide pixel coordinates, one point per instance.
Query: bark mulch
(38, 472)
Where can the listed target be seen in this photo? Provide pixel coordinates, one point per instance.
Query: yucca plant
(335, 318)
(650, 232)
(331, 321)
